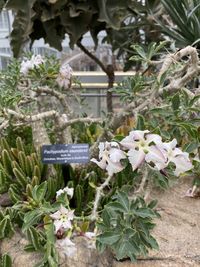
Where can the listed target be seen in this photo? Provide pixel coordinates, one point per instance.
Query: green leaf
(106, 217)
(33, 237)
(123, 200)
(145, 213)
(126, 248)
(117, 206)
(152, 204)
(22, 25)
(153, 242)
(176, 101)
(140, 122)
(190, 147)
(31, 218)
(49, 229)
(29, 248)
(39, 191)
(109, 238)
(6, 260)
(111, 13)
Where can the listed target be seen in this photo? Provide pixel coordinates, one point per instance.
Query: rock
(5, 200)
(15, 248)
(85, 257)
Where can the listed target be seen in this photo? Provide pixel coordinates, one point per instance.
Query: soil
(177, 231)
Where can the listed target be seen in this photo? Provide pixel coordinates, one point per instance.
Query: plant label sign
(63, 154)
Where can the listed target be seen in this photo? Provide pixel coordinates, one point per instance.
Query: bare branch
(181, 77)
(30, 118)
(73, 121)
(61, 97)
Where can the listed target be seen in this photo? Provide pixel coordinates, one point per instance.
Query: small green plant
(5, 261)
(19, 171)
(125, 226)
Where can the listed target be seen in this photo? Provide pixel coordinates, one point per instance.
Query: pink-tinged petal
(58, 225)
(116, 154)
(153, 138)
(136, 157)
(102, 164)
(56, 215)
(113, 167)
(170, 145)
(128, 142)
(67, 225)
(139, 135)
(63, 210)
(182, 164)
(156, 156)
(70, 215)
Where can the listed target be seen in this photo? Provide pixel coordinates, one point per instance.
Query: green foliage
(146, 55)
(176, 117)
(8, 219)
(185, 17)
(131, 86)
(5, 261)
(37, 19)
(125, 227)
(17, 169)
(9, 79)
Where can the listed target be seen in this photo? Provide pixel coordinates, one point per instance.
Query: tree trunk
(111, 77)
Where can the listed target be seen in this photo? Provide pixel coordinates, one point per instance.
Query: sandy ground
(177, 231)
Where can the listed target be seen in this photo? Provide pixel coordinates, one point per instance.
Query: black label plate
(63, 154)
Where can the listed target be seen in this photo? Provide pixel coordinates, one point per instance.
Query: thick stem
(98, 196)
(111, 79)
(143, 182)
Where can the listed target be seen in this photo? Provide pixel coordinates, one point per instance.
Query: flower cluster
(67, 190)
(110, 156)
(65, 228)
(30, 64)
(140, 147)
(64, 76)
(62, 219)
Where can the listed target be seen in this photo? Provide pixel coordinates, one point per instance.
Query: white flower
(175, 155)
(27, 64)
(66, 246)
(110, 156)
(62, 218)
(64, 76)
(67, 190)
(142, 146)
(37, 60)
